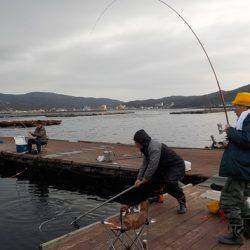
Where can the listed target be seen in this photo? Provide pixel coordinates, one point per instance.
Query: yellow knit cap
(242, 99)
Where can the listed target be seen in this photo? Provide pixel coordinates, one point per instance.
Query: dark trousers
(38, 144)
(151, 189)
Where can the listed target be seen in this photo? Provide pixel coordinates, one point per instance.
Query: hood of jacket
(144, 139)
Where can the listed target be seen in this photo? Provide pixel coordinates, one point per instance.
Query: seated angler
(39, 138)
(161, 167)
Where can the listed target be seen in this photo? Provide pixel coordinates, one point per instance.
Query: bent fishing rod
(101, 205)
(193, 32)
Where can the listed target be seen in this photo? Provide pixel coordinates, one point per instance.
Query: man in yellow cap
(235, 165)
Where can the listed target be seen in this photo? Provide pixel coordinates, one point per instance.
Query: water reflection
(26, 204)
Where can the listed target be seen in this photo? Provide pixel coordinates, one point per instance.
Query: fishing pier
(195, 230)
(80, 158)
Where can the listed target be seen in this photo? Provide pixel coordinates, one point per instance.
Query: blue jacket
(236, 158)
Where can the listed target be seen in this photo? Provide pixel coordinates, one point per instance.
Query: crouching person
(161, 167)
(235, 165)
(39, 138)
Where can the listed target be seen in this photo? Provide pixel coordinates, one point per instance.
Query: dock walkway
(80, 157)
(195, 230)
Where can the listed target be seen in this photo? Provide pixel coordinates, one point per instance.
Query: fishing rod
(196, 36)
(9, 109)
(101, 15)
(206, 53)
(74, 222)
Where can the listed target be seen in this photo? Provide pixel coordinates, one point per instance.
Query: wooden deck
(80, 157)
(197, 229)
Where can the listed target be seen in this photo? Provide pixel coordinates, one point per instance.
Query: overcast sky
(139, 49)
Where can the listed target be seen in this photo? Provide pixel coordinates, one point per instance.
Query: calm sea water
(24, 204)
(175, 130)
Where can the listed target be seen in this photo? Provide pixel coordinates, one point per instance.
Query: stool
(131, 230)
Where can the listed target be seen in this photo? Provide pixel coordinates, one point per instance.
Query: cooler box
(21, 144)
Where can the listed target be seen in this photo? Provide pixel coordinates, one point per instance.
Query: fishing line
(50, 220)
(193, 32)
(45, 222)
(101, 15)
(63, 213)
(8, 109)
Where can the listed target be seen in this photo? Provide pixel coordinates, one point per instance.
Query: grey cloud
(138, 50)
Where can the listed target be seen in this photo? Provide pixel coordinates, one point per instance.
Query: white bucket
(188, 166)
(20, 140)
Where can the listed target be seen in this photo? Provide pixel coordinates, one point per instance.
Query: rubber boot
(246, 230)
(182, 206)
(234, 237)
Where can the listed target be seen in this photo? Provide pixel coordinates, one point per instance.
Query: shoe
(246, 230)
(156, 199)
(233, 238)
(216, 187)
(182, 208)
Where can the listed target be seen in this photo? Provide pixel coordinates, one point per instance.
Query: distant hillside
(43, 100)
(210, 100)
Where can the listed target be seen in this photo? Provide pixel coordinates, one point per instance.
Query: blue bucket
(21, 144)
(21, 148)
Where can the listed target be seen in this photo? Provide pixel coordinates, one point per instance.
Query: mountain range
(47, 100)
(202, 101)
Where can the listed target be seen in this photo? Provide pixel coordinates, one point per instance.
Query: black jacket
(161, 164)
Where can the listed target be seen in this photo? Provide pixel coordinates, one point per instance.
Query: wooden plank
(209, 240)
(225, 247)
(173, 228)
(196, 235)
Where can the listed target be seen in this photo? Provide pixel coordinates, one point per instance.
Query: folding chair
(131, 230)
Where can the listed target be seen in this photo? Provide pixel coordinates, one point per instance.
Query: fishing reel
(220, 128)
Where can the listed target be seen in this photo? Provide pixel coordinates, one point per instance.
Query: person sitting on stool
(39, 138)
